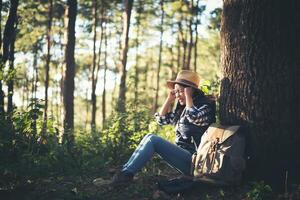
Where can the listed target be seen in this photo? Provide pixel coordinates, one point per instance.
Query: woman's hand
(171, 96)
(170, 99)
(188, 92)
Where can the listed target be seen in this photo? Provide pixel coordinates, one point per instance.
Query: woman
(192, 116)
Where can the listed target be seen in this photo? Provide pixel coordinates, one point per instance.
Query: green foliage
(26, 150)
(114, 144)
(210, 87)
(260, 191)
(215, 19)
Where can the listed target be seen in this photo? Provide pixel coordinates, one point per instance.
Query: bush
(260, 191)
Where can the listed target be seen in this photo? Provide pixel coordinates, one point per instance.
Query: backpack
(219, 159)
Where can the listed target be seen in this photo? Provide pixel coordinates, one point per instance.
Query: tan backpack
(220, 156)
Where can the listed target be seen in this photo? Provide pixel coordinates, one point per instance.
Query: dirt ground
(143, 188)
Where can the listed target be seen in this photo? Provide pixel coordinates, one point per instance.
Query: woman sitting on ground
(193, 114)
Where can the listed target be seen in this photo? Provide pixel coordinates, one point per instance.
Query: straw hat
(187, 78)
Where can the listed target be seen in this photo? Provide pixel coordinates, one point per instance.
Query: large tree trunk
(260, 89)
(71, 12)
(47, 68)
(125, 38)
(159, 55)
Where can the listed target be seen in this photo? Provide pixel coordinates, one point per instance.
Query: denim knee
(149, 135)
(153, 138)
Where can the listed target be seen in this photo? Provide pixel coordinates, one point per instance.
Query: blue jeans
(176, 156)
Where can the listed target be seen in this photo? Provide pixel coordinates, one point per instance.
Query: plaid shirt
(198, 116)
(190, 123)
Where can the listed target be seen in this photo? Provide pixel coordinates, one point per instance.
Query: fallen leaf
(74, 190)
(100, 182)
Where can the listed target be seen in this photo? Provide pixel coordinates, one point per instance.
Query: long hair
(197, 95)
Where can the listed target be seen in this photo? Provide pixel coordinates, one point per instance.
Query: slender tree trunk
(196, 38)
(114, 93)
(114, 98)
(173, 63)
(35, 73)
(104, 81)
(71, 12)
(27, 86)
(137, 57)
(47, 68)
(0, 24)
(146, 75)
(9, 30)
(191, 6)
(178, 54)
(99, 58)
(87, 107)
(126, 24)
(184, 44)
(8, 36)
(60, 70)
(260, 88)
(23, 88)
(10, 84)
(159, 55)
(100, 45)
(94, 98)
(1, 66)
(34, 89)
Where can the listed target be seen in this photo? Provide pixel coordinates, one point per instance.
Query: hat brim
(171, 84)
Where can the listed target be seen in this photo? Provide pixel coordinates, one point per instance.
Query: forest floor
(144, 187)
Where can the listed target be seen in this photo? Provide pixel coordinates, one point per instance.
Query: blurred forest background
(81, 79)
(70, 72)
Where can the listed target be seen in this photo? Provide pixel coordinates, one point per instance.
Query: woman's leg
(174, 155)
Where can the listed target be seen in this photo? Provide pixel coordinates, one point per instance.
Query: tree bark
(71, 12)
(159, 55)
(260, 89)
(126, 25)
